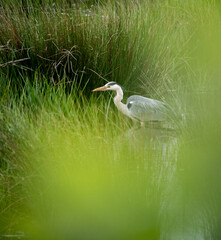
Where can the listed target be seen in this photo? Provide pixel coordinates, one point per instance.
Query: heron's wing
(146, 109)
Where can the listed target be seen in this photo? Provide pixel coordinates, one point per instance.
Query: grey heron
(137, 108)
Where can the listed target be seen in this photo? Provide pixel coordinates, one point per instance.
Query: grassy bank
(81, 161)
(71, 166)
(143, 46)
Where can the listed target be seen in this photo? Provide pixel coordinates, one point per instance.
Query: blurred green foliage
(71, 166)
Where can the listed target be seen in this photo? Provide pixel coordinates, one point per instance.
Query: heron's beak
(100, 89)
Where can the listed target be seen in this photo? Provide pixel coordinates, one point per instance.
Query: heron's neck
(117, 101)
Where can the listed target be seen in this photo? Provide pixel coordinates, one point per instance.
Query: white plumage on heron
(137, 107)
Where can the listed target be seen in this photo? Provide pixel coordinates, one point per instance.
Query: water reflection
(131, 187)
(148, 135)
(178, 212)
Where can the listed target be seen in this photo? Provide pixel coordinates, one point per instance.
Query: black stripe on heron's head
(114, 83)
(111, 83)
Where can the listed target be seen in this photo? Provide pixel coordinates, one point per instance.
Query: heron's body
(137, 107)
(146, 109)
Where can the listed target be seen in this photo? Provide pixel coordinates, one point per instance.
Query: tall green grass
(72, 167)
(142, 45)
(81, 162)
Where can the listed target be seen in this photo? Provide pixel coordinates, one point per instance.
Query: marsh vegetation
(71, 166)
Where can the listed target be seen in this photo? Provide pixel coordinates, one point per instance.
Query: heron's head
(109, 86)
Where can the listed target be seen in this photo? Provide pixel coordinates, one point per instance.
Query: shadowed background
(71, 166)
